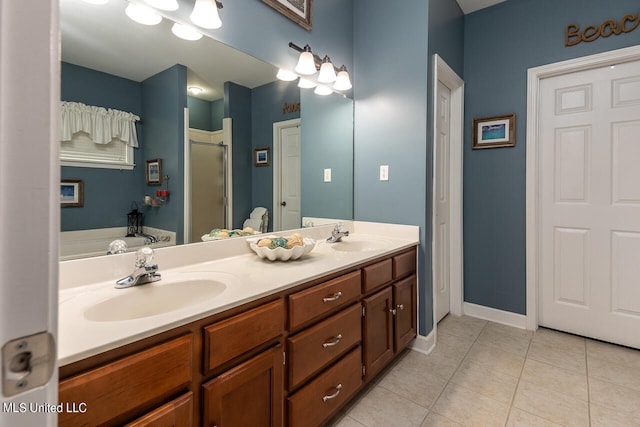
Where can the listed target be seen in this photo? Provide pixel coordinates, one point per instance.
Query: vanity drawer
(232, 337)
(376, 275)
(323, 298)
(317, 346)
(324, 396)
(119, 387)
(178, 412)
(404, 264)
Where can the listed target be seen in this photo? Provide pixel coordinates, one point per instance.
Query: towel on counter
(258, 213)
(253, 223)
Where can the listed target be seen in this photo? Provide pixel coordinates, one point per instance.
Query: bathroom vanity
(284, 343)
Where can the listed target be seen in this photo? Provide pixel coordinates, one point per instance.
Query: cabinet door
(377, 331)
(178, 412)
(250, 394)
(404, 298)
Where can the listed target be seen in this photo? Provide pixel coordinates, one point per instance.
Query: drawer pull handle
(400, 306)
(333, 297)
(335, 341)
(334, 395)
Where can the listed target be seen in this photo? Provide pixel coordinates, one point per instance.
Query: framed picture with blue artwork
(299, 11)
(71, 193)
(261, 156)
(493, 132)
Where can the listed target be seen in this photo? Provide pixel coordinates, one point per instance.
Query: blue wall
(390, 92)
(164, 99)
(327, 142)
(108, 193)
(205, 115)
(501, 43)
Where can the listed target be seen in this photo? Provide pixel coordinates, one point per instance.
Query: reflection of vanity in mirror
(112, 62)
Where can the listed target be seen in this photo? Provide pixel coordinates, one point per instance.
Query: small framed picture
(154, 172)
(493, 132)
(299, 11)
(261, 156)
(71, 193)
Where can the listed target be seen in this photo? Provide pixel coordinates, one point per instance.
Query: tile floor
(486, 374)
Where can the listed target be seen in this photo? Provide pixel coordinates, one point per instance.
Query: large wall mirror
(110, 61)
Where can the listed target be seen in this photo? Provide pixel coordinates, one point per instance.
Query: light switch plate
(384, 172)
(327, 175)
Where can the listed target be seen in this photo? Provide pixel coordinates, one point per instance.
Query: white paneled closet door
(589, 180)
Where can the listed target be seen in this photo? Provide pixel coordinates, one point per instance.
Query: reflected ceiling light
(323, 90)
(286, 75)
(343, 82)
(306, 62)
(142, 14)
(205, 14)
(163, 4)
(96, 1)
(327, 72)
(306, 83)
(195, 90)
(186, 32)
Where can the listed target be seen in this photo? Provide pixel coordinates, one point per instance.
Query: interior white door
(441, 184)
(289, 181)
(589, 179)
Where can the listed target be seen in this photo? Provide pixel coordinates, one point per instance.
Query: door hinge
(364, 370)
(284, 358)
(364, 311)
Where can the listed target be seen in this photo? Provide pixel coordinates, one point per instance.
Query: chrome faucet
(337, 234)
(143, 273)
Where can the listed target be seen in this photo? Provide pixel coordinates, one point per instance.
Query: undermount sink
(349, 244)
(154, 299)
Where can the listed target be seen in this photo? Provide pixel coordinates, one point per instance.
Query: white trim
(186, 233)
(494, 315)
(277, 168)
(534, 76)
(227, 138)
(96, 165)
(445, 74)
(424, 345)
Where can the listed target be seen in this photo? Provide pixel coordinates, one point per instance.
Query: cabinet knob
(335, 341)
(400, 306)
(392, 311)
(333, 297)
(333, 395)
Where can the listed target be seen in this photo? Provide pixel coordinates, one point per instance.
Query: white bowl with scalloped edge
(281, 254)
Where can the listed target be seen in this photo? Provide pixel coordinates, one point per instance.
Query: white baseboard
(495, 315)
(424, 344)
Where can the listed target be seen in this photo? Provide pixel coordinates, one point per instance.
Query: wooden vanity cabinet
(251, 394)
(178, 412)
(389, 315)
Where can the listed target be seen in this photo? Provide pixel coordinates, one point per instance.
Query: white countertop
(85, 283)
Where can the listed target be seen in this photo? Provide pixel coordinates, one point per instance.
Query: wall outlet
(327, 175)
(384, 172)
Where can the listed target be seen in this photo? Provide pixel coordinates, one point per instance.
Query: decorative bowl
(281, 254)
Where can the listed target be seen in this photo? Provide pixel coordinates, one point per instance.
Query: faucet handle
(144, 256)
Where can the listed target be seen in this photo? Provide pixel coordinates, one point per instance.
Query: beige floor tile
(461, 326)
(496, 385)
(621, 355)
(418, 385)
(380, 407)
(519, 418)
(553, 406)
(452, 347)
(612, 370)
(435, 420)
(562, 356)
(568, 342)
(345, 421)
(606, 417)
(496, 336)
(496, 359)
(553, 378)
(469, 408)
(432, 364)
(613, 396)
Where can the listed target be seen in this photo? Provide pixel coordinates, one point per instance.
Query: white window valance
(103, 125)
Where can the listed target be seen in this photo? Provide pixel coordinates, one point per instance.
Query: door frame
(534, 77)
(442, 72)
(277, 168)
